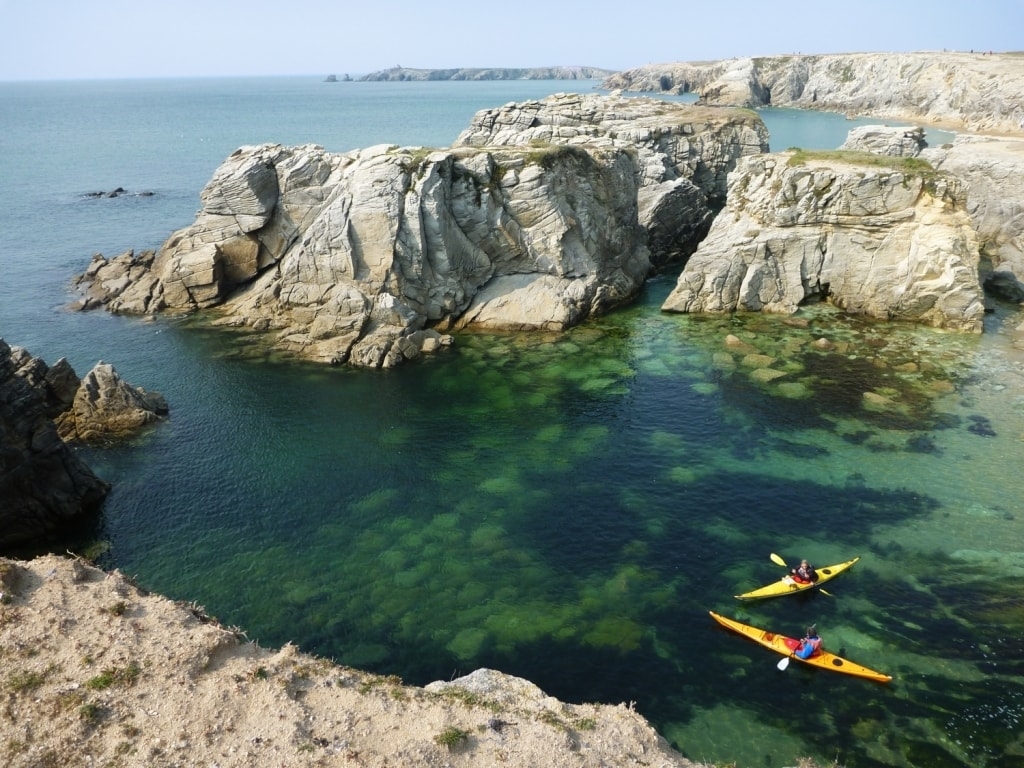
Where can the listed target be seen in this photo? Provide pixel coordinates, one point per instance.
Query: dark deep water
(566, 508)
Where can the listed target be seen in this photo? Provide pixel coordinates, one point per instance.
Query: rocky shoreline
(99, 672)
(540, 216)
(978, 92)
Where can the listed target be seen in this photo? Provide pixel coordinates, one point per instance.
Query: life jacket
(808, 647)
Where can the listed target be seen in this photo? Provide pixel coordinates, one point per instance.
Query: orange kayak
(788, 645)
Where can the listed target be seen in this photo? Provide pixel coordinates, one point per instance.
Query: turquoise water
(562, 507)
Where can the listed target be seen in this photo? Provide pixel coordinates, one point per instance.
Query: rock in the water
(105, 408)
(878, 238)
(539, 217)
(43, 483)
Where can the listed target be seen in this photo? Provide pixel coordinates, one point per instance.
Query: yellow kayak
(787, 585)
(788, 645)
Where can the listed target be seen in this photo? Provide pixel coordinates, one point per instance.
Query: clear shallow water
(565, 508)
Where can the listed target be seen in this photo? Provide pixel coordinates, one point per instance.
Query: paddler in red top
(805, 574)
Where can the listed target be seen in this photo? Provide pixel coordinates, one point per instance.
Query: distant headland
(400, 73)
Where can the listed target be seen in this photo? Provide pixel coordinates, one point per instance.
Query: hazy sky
(72, 39)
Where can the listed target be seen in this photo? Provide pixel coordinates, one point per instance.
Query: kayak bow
(788, 645)
(787, 585)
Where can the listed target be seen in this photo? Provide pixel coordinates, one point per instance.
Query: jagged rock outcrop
(370, 257)
(978, 92)
(886, 140)
(684, 153)
(993, 170)
(105, 408)
(349, 257)
(44, 485)
(888, 239)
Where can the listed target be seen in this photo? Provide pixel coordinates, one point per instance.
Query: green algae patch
(501, 485)
(468, 643)
(615, 632)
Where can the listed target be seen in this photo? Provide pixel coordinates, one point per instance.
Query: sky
(103, 39)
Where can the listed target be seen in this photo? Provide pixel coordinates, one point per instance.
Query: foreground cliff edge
(99, 672)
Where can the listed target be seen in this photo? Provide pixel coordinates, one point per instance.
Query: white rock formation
(993, 170)
(886, 140)
(532, 220)
(978, 92)
(876, 240)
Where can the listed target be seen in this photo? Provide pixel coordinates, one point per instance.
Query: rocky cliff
(44, 485)
(98, 672)
(979, 92)
(993, 170)
(537, 221)
(402, 74)
(884, 237)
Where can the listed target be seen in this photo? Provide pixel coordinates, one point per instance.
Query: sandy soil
(96, 672)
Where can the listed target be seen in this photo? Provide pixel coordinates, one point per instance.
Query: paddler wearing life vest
(805, 573)
(810, 644)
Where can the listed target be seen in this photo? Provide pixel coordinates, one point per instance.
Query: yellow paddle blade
(778, 560)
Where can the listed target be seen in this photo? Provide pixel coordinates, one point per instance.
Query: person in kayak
(805, 574)
(810, 645)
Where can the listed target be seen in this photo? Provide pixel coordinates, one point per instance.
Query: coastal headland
(539, 217)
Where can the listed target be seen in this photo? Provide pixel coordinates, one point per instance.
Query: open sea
(565, 508)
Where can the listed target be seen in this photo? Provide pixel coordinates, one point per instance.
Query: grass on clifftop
(906, 164)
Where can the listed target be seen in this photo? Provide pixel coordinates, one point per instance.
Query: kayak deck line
(787, 646)
(787, 585)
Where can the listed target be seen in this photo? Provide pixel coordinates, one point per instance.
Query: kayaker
(805, 574)
(811, 643)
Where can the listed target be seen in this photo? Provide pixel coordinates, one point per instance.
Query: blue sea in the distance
(566, 508)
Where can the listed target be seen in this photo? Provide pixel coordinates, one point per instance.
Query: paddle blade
(777, 560)
(781, 666)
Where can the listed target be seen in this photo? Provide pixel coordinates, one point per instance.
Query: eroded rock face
(43, 483)
(974, 91)
(878, 241)
(886, 140)
(993, 170)
(683, 153)
(539, 216)
(106, 408)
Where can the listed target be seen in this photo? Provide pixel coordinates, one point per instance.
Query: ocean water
(566, 508)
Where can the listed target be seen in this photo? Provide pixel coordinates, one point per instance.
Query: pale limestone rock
(539, 217)
(886, 140)
(365, 255)
(887, 243)
(683, 153)
(972, 91)
(993, 170)
(737, 85)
